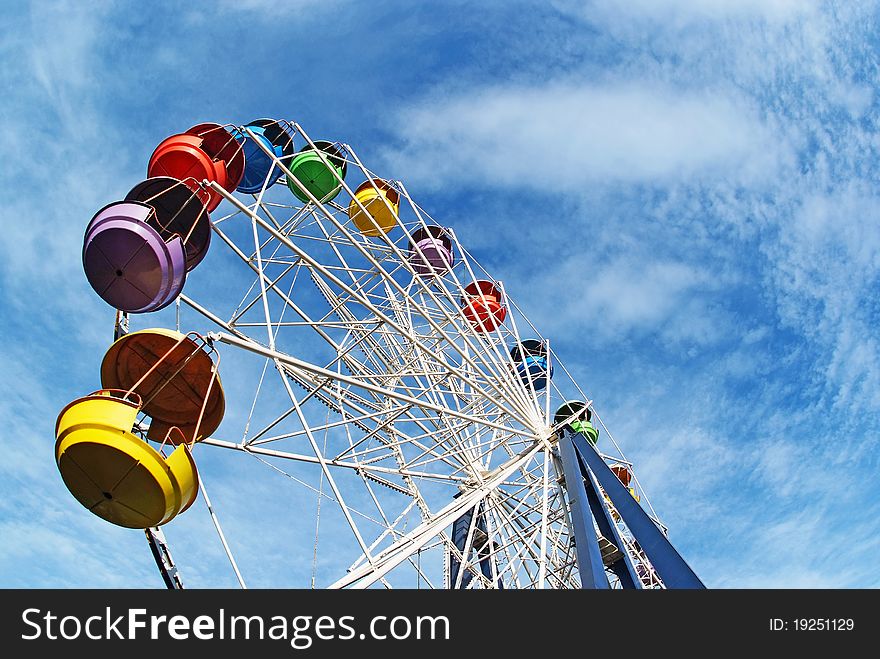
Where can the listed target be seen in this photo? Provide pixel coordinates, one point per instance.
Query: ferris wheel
(376, 370)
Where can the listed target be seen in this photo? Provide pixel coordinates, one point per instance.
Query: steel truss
(370, 388)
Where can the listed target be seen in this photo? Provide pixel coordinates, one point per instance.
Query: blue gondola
(530, 360)
(268, 134)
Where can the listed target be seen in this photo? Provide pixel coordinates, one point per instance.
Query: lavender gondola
(128, 263)
(179, 211)
(431, 250)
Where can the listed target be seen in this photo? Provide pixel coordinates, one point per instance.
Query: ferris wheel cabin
(530, 360)
(174, 376)
(382, 203)
(102, 450)
(269, 137)
(179, 211)
(115, 474)
(128, 262)
(431, 250)
(482, 305)
(319, 170)
(204, 152)
(580, 415)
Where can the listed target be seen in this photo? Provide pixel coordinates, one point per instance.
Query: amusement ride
(375, 369)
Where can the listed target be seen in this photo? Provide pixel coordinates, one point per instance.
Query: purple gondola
(179, 211)
(128, 263)
(435, 245)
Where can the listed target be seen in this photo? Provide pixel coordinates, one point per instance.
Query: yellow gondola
(115, 474)
(381, 202)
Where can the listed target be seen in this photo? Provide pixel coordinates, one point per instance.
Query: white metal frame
(428, 416)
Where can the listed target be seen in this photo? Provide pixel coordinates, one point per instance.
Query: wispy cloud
(682, 194)
(827, 264)
(680, 13)
(273, 11)
(562, 135)
(626, 294)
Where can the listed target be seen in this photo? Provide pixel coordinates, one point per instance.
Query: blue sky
(681, 193)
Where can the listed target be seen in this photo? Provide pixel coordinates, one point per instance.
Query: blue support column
(589, 557)
(460, 529)
(484, 552)
(667, 562)
(623, 567)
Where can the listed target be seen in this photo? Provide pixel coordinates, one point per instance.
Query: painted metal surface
(431, 251)
(623, 567)
(181, 157)
(482, 305)
(116, 475)
(589, 557)
(179, 211)
(173, 376)
(319, 175)
(381, 202)
(578, 415)
(480, 544)
(667, 562)
(221, 146)
(260, 170)
(280, 133)
(128, 263)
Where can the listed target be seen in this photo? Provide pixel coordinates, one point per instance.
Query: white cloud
(625, 293)
(59, 138)
(680, 13)
(559, 136)
(802, 549)
(268, 10)
(755, 114)
(827, 262)
(684, 459)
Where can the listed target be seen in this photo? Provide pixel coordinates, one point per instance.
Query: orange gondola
(483, 306)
